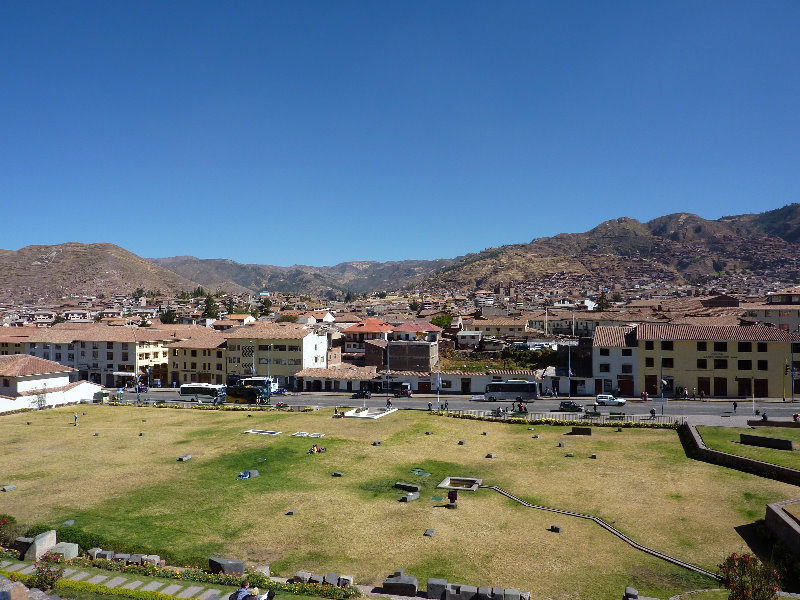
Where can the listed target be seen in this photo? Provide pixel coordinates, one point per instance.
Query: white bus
(203, 391)
(513, 389)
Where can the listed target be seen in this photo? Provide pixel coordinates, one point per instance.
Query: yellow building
(719, 361)
(200, 359)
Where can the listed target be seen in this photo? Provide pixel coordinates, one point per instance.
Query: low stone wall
(696, 448)
(400, 584)
(783, 525)
(765, 442)
(329, 578)
(760, 423)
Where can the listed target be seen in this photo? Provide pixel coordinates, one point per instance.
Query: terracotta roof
(266, 330)
(416, 326)
(370, 325)
(750, 333)
(343, 372)
(63, 388)
(612, 336)
(20, 365)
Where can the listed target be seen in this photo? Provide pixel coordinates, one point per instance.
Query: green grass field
(726, 439)
(129, 487)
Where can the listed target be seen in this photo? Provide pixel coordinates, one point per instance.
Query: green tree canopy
(211, 310)
(443, 321)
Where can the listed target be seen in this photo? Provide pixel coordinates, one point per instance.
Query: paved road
(697, 411)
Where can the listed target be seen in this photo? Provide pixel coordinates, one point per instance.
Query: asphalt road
(775, 407)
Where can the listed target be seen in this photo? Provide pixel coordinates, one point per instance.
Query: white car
(609, 400)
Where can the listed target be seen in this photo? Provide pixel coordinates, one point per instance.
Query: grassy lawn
(726, 439)
(131, 488)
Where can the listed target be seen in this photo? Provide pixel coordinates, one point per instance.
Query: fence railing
(577, 417)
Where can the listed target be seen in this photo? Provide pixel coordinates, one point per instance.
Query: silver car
(609, 400)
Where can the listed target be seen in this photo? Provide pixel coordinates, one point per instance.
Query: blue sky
(319, 132)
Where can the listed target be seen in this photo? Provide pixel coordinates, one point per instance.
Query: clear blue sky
(319, 132)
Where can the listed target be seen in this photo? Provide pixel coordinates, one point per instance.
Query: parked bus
(513, 389)
(244, 394)
(268, 383)
(203, 391)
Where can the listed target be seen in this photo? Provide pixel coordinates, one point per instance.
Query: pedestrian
(388, 403)
(652, 413)
(445, 405)
(764, 416)
(75, 416)
(735, 404)
(452, 496)
(430, 405)
(702, 396)
(694, 393)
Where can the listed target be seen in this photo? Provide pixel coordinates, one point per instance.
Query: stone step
(210, 595)
(152, 586)
(68, 571)
(98, 579)
(27, 570)
(172, 589)
(132, 585)
(4, 564)
(79, 576)
(190, 592)
(15, 567)
(116, 582)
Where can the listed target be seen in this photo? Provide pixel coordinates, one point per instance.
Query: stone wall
(783, 525)
(696, 448)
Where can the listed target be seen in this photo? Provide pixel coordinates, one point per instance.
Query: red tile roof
(417, 326)
(370, 325)
(20, 365)
(723, 333)
(612, 336)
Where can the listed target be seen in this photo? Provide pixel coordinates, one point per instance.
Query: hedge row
(562, 422)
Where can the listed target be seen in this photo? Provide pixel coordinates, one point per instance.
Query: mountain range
(681, 247)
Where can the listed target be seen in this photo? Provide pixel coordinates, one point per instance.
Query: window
(279, 348)
(720, 346)
(446, 383)
(71, 356)
(648, 345)
(627, 368)
(701, 346)
(604, 351)
(720, 363)
(6, 383)
(194, 366)
(219, 353)
(796, 348)
(58, 356)
(604, 367)
(763, 366)
(263, 348)
(667, 345)
(648, 361)
(745, 365)
(702, 363)
(745, 346)
(219, 366)
(109, 356)
(109, 345)
(194, 352)
(762, 346)
(124, 345)
(627, 352)
(668, 362)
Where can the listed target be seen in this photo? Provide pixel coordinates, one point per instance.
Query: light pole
(438, 373)
(269, 377)
(661, 371)
(136, 365)
(253, 350)
(388, 370)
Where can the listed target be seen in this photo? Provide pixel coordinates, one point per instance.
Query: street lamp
(253, 350)
(269, 377)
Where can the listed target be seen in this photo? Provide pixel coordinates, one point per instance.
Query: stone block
(227, 566)
(292, 512)
(69, 523)
(555, 528)
(376, 443)
(154, 559)
(141, 434)
(510, 594)
(9, 488)
(66, 550)
(302, 576)
(452, 505)
(497, 593)
(338, 474)
(263, 569)
(536, 436)
(254, 473)
(135, 559)
(619, 429)
(428, 433)
(581, 431)
(400, 585)
(429, 533)
(184, 458)
(570, 454)
(410, 497)
(121, 557)
(315, 579)
(398, 573)
(462, 442)
(485, 433)
(105, 554)
(96, 434)
(484, 592)
(524, 596)
(345, 580)
(16, 591)
(765, 442)
(468, 592)
(41, 544)
(92, 552)
(21, 545)
(631, 593)
(408, 487)
(593, 456)
(436, 588)
(451, 591)
(491, 455)
(560, 444)
(331, 579)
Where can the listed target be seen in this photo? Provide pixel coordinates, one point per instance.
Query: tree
(602, 301)
(138, 292)
(286, 319)
(443, 321)
(229, 304)
(58, 319)
(414, 306)
(211, 310)
(381, 294)
(349, 297)
(266, 305)
(168, 317)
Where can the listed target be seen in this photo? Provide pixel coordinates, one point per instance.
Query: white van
(609, 400)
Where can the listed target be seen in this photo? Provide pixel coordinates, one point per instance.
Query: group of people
(315, 449)
(247, 593)
(548, 393)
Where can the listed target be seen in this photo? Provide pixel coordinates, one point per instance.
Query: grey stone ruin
(184, 458)
(121, 557)
(292, 512)
(429, 533)
(400, 584)
(302, 576)
(69, 523)
(331, 579)
(226, 566)
(555, 528)
(338, 474)
(105, 554)
(491, 455)
(254, 473)
(376, 443)
(65, 550)
(461, 442)
(408, 487)
(9, 488)
(410, 497)
(92, 552)
(436, 588)
(135, 559)
(41, 544)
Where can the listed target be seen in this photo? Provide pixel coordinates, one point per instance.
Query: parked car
(280, 392)
(362, 394)
(404, 393)
(570, 406)
(609, 400)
